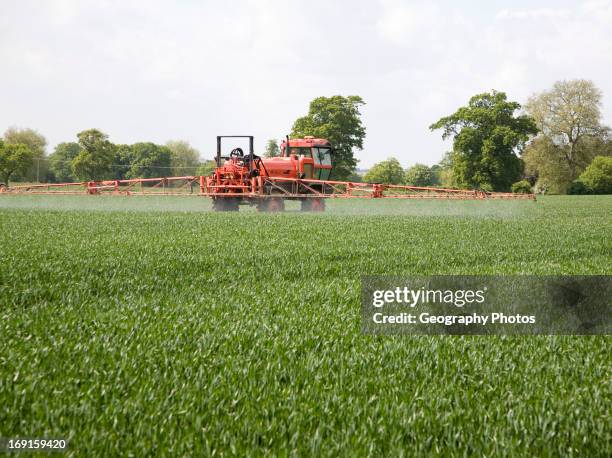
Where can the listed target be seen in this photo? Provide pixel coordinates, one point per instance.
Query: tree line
(93, 157)
(556, 143)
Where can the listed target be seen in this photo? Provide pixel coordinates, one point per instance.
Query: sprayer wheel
(226, 204)
(272, 205)
(313, 205)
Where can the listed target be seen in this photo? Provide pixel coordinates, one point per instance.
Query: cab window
(323, 156)
(300, 151)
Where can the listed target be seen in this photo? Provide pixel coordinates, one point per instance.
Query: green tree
(272, 149)
(338, 120)
(545, 164)
(597, 178)
(95, 157)
(569, 117)
(206, 168)
(61, 159)
(185, 159)
(122, 162)
(148, 160)
(36, 143)
(487, 137)
(419, 175)
(14, 158)
(386, 172)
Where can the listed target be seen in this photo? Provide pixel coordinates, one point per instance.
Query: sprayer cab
(312, 155)
(307, 158)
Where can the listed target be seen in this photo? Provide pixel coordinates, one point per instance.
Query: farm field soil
(151, 325)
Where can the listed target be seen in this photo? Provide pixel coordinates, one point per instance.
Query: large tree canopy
(338, 120)
(487, 137)
(36, 143)
(386, 172)
(95, 157)
(14, 158)
(569, 119)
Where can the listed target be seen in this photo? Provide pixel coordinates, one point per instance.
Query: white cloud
(408, 23)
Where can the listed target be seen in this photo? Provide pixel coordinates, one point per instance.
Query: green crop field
(151, 325)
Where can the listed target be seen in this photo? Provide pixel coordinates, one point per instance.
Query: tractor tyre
(226, 204)
(313, 205)
(271, 205)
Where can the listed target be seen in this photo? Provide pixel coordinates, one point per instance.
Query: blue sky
(156, 71)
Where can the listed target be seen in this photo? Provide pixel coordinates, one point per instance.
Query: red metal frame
(166, 186)
(257, 188)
